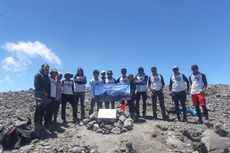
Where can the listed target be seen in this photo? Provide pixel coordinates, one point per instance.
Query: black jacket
(132, 87)
(42, 82)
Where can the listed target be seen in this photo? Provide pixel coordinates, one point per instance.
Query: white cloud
(14, 64)
(23, 52)
(6, 79)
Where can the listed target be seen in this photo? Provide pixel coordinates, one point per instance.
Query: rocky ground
(145, 135)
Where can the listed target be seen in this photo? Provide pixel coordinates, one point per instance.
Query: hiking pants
(140, 95)
(160, 96)
(180, 97)
(68, 98)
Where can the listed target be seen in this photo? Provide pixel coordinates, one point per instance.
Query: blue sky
(106, 34)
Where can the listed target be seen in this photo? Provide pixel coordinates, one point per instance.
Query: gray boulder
(116, 130)
(128, 124)
(192, 134)
(90, 125)
(214, 143)
(86, 121)
(122, 118)
(173, 142)
(162, 127)
(93, 116)
(76, 149)
(221, 131)
(118, 124)
(99, 130)
(95, 127)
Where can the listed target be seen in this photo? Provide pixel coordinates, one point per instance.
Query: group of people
(51, 92)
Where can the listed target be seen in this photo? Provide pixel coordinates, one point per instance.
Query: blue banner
(112, 92)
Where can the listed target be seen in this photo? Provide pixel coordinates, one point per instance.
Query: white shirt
(53, 87)
(156, 82)
(141, 87)
(110, 81)
(68, 87)
(197, 83)
(123, 80)
(79, 87)
(178, 83)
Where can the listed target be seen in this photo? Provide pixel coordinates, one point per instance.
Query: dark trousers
(56, 109)
(49, 111)
(205, 110)
(80, 96)
(180, 97)
(160, 96)
(39, 114)
(70, 99)
(140, 95)
(131, 105)
(107, 103)
(92, 104)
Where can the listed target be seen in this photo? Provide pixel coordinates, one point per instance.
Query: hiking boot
(178, 117)
(82, 117)
(76, 120)
(184, 120)
(144, 114)
(206, 118)
(38, 130)
(165, 117)
(48, 125)
(38, 127)
(199, 121)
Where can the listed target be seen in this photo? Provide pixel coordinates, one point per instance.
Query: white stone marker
(107, 114)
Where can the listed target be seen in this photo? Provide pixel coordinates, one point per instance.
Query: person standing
(53, 92)
(103, 76)
(58, 97)
(94, 99)
(123, 79)
(67, 96)
(42, 95)
(79, 90)
(110, 80)
(131, 102)
(141, 86)
(199, 85)
(156, 85)
(178, 86)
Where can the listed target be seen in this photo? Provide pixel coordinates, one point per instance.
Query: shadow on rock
(139, 120)
(42, 133)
